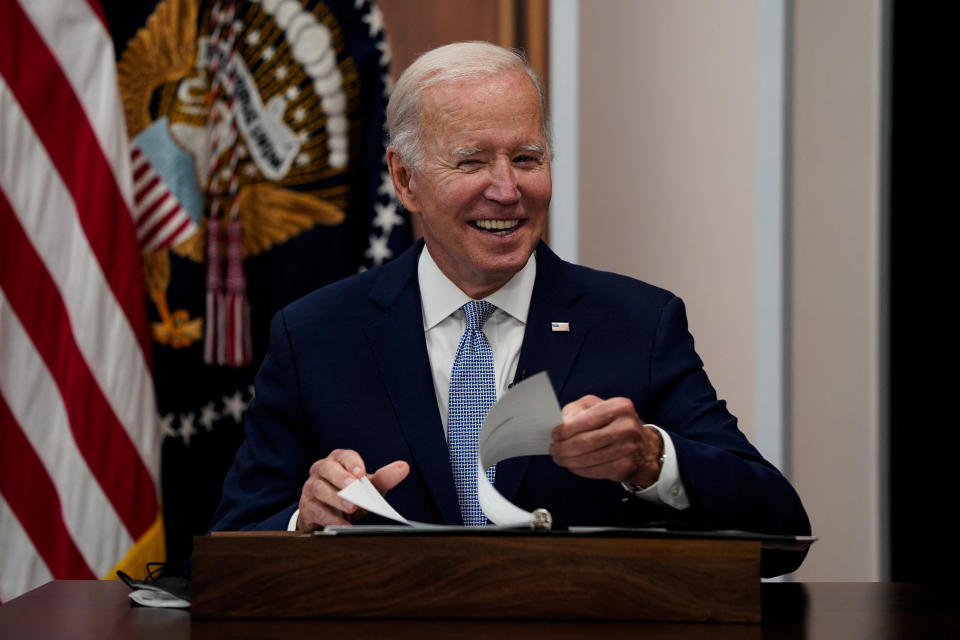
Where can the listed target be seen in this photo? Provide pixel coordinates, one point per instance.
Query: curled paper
(519, 424)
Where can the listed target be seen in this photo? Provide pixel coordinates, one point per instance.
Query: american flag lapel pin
(561, 327)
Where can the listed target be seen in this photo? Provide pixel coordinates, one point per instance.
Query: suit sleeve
(262, 488)
(729, 484)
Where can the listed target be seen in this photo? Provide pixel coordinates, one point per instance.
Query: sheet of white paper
(519, 424)
(363, 494)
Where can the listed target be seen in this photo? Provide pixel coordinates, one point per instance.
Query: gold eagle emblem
(164, 67)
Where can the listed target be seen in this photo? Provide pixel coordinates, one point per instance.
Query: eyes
(519, 160)
(526, 158)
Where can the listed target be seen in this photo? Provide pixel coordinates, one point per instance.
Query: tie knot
(477, 312)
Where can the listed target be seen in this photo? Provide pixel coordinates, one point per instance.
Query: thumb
(389, 475)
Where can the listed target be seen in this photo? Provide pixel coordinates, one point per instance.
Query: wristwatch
(634, 489)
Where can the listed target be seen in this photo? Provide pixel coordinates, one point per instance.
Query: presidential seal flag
(79, 433)
(259, 175)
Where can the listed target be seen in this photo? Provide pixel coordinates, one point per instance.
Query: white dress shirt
(444, 324)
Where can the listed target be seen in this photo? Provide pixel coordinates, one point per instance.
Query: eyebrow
(532, 148)
(472, 151)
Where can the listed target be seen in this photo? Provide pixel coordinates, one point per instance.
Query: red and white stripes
(79, 439)
(159, 217)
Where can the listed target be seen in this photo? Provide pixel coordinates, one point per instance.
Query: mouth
(496, 227)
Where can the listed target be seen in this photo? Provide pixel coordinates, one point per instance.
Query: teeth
(496, 225)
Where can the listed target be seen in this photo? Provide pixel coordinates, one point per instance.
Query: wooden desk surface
(101, 610)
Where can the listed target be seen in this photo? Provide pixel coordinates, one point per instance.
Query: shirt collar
(439, 297)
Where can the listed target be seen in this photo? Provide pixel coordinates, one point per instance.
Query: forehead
(471, 111)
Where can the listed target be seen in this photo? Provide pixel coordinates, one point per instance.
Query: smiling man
(480, 182)
(389, 373)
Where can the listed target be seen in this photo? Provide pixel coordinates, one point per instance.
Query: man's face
(483, 189)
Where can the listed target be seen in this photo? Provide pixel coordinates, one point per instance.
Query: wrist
(651, 462)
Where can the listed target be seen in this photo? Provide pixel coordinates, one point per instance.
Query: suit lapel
(554, 299)
(397, 341)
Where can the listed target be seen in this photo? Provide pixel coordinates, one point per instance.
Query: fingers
(346, 460)
(605, 439)
(633, 460)
(618, 469)
(390, 475)
(620, 438)
(320, 506)
(573, 408)
(316, 511)
(590, 413)
(315, 515)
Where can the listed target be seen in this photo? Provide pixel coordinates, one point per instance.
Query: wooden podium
(522, 576)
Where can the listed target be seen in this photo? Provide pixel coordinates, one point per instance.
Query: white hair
(449, 63)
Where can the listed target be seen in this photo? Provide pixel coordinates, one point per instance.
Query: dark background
(923, 378)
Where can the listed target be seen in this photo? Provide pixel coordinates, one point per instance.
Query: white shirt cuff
(292, 525)
(668, 489)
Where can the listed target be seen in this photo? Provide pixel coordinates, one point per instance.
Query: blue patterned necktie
(473, 391)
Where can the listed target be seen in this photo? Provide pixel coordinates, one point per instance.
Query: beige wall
(666, 165)
(666, 193)
(837, 291)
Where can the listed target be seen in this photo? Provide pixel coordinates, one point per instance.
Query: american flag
(79, 434)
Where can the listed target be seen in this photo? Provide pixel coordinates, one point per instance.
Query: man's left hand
(606, 439)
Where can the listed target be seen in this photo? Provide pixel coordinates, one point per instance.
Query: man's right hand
(319, 504)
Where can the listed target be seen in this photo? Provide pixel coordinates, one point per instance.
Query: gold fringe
(151, 547)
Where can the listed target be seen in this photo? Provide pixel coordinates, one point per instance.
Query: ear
(403, 184)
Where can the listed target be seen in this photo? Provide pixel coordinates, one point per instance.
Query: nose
(503, 187)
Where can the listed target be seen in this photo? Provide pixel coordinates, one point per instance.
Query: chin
(506, 266)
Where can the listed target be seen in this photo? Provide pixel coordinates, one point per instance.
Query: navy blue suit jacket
(347, 367)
